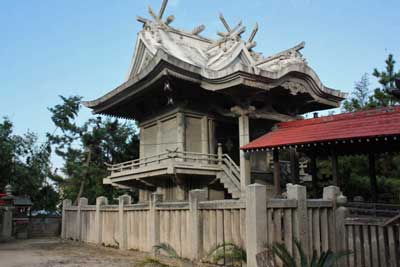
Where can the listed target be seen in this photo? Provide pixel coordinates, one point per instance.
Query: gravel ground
(59, 253)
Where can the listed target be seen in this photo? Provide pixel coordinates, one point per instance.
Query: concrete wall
(193, 228)
(44, 226)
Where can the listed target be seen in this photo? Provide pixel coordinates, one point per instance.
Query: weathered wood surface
(318, 223)
(372, 244)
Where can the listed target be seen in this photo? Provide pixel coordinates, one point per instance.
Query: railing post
(256, 221)
(78, 230)
(341, 213)
(154, 220)
(196, 223)
(66, 204)
(123, 235)
(331, 193)
(98, 224)
(299, 193)
(219, 152)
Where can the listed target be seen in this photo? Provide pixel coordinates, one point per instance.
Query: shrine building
(197, 100)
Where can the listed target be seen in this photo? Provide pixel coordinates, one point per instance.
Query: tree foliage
(86, 147)
(362, 98)
(25, 164)
(354, 169)
(360, 95)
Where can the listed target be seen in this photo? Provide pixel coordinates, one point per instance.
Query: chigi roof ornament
(158, 19)
(226, 63)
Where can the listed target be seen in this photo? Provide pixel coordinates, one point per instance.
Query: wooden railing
(373, 209)
(372, 243)
(185, 156)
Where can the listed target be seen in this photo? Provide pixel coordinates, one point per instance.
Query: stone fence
(5, 222)
(193, 228)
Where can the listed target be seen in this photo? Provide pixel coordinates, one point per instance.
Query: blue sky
(50, 48)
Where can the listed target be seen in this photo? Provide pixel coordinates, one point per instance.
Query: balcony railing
(179, 156)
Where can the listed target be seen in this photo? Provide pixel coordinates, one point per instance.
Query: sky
(73, 47)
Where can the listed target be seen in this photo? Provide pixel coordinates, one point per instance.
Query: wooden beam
(254, 113)
(372, 177)
(277, 172)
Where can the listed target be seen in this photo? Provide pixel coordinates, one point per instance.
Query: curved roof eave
(161, 64)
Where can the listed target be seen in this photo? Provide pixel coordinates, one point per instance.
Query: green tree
(354, 169)
(26, 166)
(86, 147)
(387, 77)
(360, 95)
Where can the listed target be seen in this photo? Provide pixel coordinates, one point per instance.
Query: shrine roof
(351, 127)
(213, 63)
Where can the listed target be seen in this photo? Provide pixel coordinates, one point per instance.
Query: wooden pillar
(314, 175)
(211, 137)
(244, 138)
(277, 172)
(294, 166)
(372, 177)
(204, 135)
(159, 138)
(180, 117)
(335, 168)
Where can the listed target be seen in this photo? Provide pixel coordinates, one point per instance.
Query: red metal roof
(355, 125)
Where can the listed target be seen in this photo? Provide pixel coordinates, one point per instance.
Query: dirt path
(57, 253)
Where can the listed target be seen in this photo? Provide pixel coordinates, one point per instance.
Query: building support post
(204, 135)
(314, 174)
(98, 222)
(372, 177)
(154, 221)
(256, 217)
(159, 137)
(211, 136)
(196, 223)
(294, 166)
(335, 177)
(180, 118)
(123, 234)
(277, 172)
(244, 138)
(66, 204)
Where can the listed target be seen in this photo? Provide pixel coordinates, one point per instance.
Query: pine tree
(387, 78)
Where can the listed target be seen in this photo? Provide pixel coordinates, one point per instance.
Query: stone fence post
(196, 223)
(123, 235)
(154, 221)
(98, 222)
(334, 194)
(65, 204)
(7, 224)
(300, 222)
(256, 221)
(78, 230)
